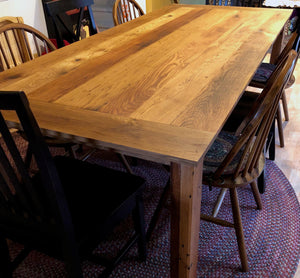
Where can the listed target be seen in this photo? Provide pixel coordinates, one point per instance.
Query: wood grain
(186, 193)
(119, 133)
(174, 67)
(159, 87)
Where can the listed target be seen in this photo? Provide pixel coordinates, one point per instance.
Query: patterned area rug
(272, 235)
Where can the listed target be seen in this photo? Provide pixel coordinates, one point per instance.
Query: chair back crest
(293, 43)
(20, 43)
(10, 19)
(3, 21)
(126, 10)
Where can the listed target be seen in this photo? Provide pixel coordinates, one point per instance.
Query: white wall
(33, 14)
(31, 11)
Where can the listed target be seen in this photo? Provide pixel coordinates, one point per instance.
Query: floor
(288, 158)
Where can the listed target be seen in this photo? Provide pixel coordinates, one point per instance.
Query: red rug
(272, 235)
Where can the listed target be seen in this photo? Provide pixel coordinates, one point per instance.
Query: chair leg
(85, 156)
(4, 259)
(280, 128)
(256, 194)
(139, 225)
(219, 202)
(271, 142)
(162, 201)
(285, 107)
(71, 254)
(28, 157)
(261, 184)
(73, 270)
(125, 163)
(239, 228)
(70, 150)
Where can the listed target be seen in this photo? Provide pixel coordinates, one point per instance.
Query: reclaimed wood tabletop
(159, 87)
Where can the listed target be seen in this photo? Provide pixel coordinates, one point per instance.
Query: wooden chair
(67, 207)
(237, 159)
(20, 43)
(10, 19)
(68, 17)
(265, 70)
(126, 10)
(228, 2)
(243, 3)
(221, 2)
(246, 102)
(4, 21)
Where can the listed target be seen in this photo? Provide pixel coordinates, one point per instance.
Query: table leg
(186, 186)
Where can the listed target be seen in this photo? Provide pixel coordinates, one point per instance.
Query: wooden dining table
(159, 88)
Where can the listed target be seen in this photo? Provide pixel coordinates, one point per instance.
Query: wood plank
(159, 142)
(157, 67)
(110, 83)
(51, 66)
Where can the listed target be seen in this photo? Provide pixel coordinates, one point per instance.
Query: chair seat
(240, 111)
(90, 186)
(95, 193)
(263, 73)
(218, 151)
(81, 184)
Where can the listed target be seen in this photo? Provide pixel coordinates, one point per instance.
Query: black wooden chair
(65, 24)
(66, 207)
(237, 159)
